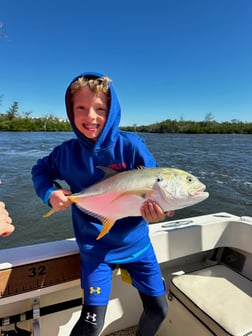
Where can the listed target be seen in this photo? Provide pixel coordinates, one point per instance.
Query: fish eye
(160, 179)
(189, 179)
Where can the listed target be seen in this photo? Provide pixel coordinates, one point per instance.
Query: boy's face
(90, 111)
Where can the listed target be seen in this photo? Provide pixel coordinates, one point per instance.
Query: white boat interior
(206, 262)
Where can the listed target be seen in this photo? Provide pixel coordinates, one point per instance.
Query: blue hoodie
(75, 162)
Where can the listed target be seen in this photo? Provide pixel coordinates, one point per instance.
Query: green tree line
(12, 120)
(194, 127)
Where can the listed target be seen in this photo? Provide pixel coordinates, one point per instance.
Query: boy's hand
(6, 227)
(152, 212)
(59, 200)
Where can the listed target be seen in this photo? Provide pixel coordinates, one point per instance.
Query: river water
(222, 162)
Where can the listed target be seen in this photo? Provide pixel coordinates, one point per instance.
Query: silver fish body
(122, 195)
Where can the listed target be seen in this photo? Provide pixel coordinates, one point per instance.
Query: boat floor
(131, 331)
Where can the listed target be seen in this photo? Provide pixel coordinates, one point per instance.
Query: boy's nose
(91, 112)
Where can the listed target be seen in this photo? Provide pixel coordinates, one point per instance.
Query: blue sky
(168, 59)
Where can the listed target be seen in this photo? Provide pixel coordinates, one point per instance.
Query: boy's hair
(96, 84)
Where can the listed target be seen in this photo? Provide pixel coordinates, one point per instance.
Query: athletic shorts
(145, 276)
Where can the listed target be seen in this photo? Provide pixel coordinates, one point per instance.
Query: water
(222, 162)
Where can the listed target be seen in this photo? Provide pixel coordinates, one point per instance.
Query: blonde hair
(96, 84)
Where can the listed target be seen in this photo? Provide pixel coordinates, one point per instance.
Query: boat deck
(39, 284)
(131, 331)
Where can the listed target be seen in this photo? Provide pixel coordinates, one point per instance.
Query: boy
(94, 113)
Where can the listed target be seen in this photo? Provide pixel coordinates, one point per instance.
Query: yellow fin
(72, 198)
(49, 213)
(107, 225)
(125, 276)
(144, 193)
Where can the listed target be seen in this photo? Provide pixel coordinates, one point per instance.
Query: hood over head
(110, 131)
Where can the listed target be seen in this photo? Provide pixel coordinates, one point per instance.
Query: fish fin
(144, 193)
(125, 276)
(107, 225)
(49, 213)
(108, 171)
(140, 167)
(73, 199)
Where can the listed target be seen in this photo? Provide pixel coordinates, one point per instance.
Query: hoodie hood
(110, 131)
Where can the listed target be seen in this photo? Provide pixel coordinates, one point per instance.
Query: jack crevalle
(122, 194)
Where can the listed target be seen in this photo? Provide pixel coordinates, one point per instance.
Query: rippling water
(222, 162)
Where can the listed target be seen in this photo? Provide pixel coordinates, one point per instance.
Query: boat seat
(219, 297)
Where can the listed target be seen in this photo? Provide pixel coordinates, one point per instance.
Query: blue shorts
(145, 276)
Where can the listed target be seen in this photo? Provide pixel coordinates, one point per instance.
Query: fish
(122, 194)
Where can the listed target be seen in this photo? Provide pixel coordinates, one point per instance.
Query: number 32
(34, 271)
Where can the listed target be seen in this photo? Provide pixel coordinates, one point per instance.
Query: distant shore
(53, 124)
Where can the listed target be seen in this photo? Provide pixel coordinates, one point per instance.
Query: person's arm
(44, 175)
(6, 227)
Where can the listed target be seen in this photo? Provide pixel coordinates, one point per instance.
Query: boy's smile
(90, 111)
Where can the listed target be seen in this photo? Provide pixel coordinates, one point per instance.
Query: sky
(168, 59)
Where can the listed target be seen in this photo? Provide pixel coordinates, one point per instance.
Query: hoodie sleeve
(44, 173)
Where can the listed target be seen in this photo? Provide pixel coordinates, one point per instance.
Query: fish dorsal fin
(107, 225)
(143, 193)
(108, 171)
(140, 167)
(111, 172)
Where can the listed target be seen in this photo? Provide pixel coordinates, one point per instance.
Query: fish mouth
(200, 192)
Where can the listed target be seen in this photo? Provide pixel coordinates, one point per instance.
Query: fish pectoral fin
(144, 193)
(49, 213)
(107, 225)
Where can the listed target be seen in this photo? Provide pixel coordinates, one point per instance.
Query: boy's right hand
(59, 200)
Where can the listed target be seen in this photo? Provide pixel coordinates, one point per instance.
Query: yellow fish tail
(73, 199)
(49, 213)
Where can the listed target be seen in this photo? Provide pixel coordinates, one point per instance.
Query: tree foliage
(12, 120)
(12, 111)
(194, 127)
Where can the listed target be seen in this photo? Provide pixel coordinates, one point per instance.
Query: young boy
(94, 113)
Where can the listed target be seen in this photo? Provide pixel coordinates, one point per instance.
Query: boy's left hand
(152, 212)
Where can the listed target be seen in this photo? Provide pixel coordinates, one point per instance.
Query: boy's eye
(101, 110)
(80, 108)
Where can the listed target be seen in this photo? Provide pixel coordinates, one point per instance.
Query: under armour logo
(91, 318)
(96, 290)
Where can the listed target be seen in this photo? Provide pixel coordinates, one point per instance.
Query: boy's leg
(155, 311)
(96, 279)
(90, 322)
(146, 276)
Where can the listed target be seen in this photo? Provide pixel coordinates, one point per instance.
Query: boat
(206, 262)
